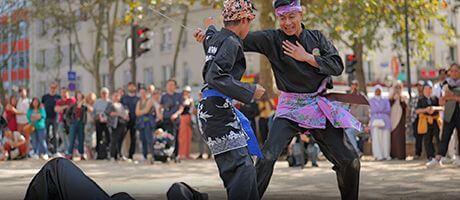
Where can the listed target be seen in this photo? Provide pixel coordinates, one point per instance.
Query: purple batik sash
(311, 110)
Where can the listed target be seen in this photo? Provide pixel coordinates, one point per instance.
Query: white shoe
(456, 162)
(45, 157)
(445, 160)
(433, 163)
(34, 156)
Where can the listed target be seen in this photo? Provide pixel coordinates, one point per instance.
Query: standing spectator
(380, 125)
(14, 145)
(398, 122)
(130, 102)
(49, 101)
(414, 120)
(429, 121)
(171, 102)
(361, 113)
(21, 114)
(90, 127)
(102, 130)
(76, 117)
(145, 123)
(36, 116)
(63, 127)
(451, 102)
(119, 117)
(437, 87)
(10, 113)
(185, 127)
(267, 110)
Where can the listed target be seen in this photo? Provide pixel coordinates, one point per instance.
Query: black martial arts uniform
(218, 123)
(293, 76)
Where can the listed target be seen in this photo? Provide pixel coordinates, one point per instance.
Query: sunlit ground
(379, 180)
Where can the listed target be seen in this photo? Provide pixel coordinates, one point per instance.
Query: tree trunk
(179, 41)
(358, 51)
(266, 74)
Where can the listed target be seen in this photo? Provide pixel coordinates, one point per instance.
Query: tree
(358, 24)
(104, 16)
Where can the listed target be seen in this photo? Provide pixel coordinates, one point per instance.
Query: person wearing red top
(63, 127)
(10, 113)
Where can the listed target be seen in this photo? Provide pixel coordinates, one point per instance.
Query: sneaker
(433, 163)
(445, 160)
(456, 162)
(45, 157)
(34, 156)
(315, 165)
(82, 158)
(199, 157)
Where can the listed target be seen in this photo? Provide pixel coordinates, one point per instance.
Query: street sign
(72, 76)
(72, 87)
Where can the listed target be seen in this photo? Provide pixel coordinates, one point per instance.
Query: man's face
(427, 91)
(64, 93)
(290, 23)
(171, 87)
(53, 89)
(454, 73)
(245, 27)
(132, 88)
(23, 93)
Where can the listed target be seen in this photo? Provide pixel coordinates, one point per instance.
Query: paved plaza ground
(379, 180)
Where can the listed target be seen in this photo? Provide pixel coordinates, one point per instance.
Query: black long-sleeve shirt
(225, 65)
(292, 75)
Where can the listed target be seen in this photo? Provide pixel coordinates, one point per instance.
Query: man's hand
(199, 35)
(297, 52)
(259, 92)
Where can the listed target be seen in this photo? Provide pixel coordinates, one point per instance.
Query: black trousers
(51, 136)
(237, 171)
(61, 179)
(333, 143)
(131, 128)
(117, 140)
(263, 127)
(448, 130)
(103, 140)
(433, 132)
(418, 139)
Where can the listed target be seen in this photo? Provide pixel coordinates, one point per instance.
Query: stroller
(163, 146)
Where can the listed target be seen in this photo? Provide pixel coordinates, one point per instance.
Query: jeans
(51, 134)
(63, 136)
(117, 140)
(77, 130)
(147, 140)
(39, 142)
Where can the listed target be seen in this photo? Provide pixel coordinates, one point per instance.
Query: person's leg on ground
(238, 174)
(72, 136)
(42, 146)
(132, 146)
(447, 131)
(113, 145)
(81, 138)
(61, 179)
(428, 141)
(278, 138)
(375, 137)
(386, 142)
(338, 150)
(142, 135)
(120, 139)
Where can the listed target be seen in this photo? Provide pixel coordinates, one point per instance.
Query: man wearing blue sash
(226, 131)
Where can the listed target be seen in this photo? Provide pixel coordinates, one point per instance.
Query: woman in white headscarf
(398, 121)
(380, 125)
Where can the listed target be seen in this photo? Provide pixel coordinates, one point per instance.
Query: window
(187, 73)
(148, 76)
(166, 44)
(126, 77)
(105, 80)
(166, 74)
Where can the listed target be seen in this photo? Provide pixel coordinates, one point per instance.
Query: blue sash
(253, 145)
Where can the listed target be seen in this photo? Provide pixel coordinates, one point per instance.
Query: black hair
(172, 80)
(279, 3)
(31, 106)
(232, 23)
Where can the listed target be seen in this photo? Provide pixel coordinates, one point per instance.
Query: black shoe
(200, 157)
(315, 165)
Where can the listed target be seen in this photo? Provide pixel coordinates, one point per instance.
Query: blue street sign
(72, 76)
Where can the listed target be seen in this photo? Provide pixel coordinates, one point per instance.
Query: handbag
(378, 123)
(29, 129)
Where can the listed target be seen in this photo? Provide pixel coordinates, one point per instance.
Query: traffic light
(350, 63)
(140, 40)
